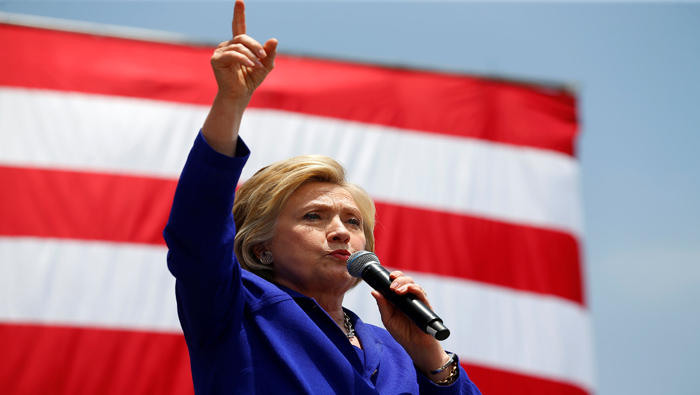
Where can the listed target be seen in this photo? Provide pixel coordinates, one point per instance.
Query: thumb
(270, 48)
(385, 307)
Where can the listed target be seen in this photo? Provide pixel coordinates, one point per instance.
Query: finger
(405, 285)
(420, 293)
(395, 274)
(409, 288)
(243, 50)
(238, 23)
(401, 281)
(227, 59)
(251, 44)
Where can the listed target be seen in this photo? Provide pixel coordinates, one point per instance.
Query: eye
(355, 222)
(312, 215)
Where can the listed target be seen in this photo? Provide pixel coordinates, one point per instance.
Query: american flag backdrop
(476, 184)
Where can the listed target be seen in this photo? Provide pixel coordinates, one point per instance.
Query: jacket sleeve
(199, 235)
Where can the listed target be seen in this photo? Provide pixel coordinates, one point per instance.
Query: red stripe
(494, 381)
(57, 360)
(75, 205)
(63, 360)
(81, 205)
(442, 103)
(87, 63)
(430, 102)
(514, 256)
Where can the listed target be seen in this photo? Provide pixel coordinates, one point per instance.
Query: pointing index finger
(238, 23)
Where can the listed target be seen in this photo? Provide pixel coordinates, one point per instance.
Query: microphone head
(358, 260)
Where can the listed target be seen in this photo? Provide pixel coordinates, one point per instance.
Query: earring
(266, 257)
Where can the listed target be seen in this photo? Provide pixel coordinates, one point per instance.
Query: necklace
(349, 330)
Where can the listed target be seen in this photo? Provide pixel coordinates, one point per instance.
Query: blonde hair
(260, 201)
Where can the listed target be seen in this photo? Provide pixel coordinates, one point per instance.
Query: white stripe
(96, 133)
(468, 176)
(86, 283)
(128, 286)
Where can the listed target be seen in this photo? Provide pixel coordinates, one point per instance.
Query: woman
(261, 309)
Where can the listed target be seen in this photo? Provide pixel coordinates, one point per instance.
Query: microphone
(365, 265)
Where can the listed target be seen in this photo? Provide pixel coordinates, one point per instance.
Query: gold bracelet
(454, 373)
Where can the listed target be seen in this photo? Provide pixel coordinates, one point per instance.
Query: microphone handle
(377, 277)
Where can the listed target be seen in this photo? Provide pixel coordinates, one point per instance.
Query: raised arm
(240, 65)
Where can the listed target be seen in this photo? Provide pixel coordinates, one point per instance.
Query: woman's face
(316, 232)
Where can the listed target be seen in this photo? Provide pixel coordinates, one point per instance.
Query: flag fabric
(476, 184)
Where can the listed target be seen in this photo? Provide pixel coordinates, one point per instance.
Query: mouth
(343, 255)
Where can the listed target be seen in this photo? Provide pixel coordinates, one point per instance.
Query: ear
(259, 249)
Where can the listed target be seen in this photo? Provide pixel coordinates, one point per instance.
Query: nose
(337, 231)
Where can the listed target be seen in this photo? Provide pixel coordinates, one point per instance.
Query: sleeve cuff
(203, 150)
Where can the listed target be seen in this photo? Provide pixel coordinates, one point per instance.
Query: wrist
(450, 360)
(232, 101)
(221, 126)
(447, 373)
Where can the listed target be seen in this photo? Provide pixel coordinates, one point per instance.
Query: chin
(340, 277)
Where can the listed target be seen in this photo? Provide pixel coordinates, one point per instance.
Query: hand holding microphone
(365, 265)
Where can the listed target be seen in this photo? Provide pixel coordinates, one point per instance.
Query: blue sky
(636, 67)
